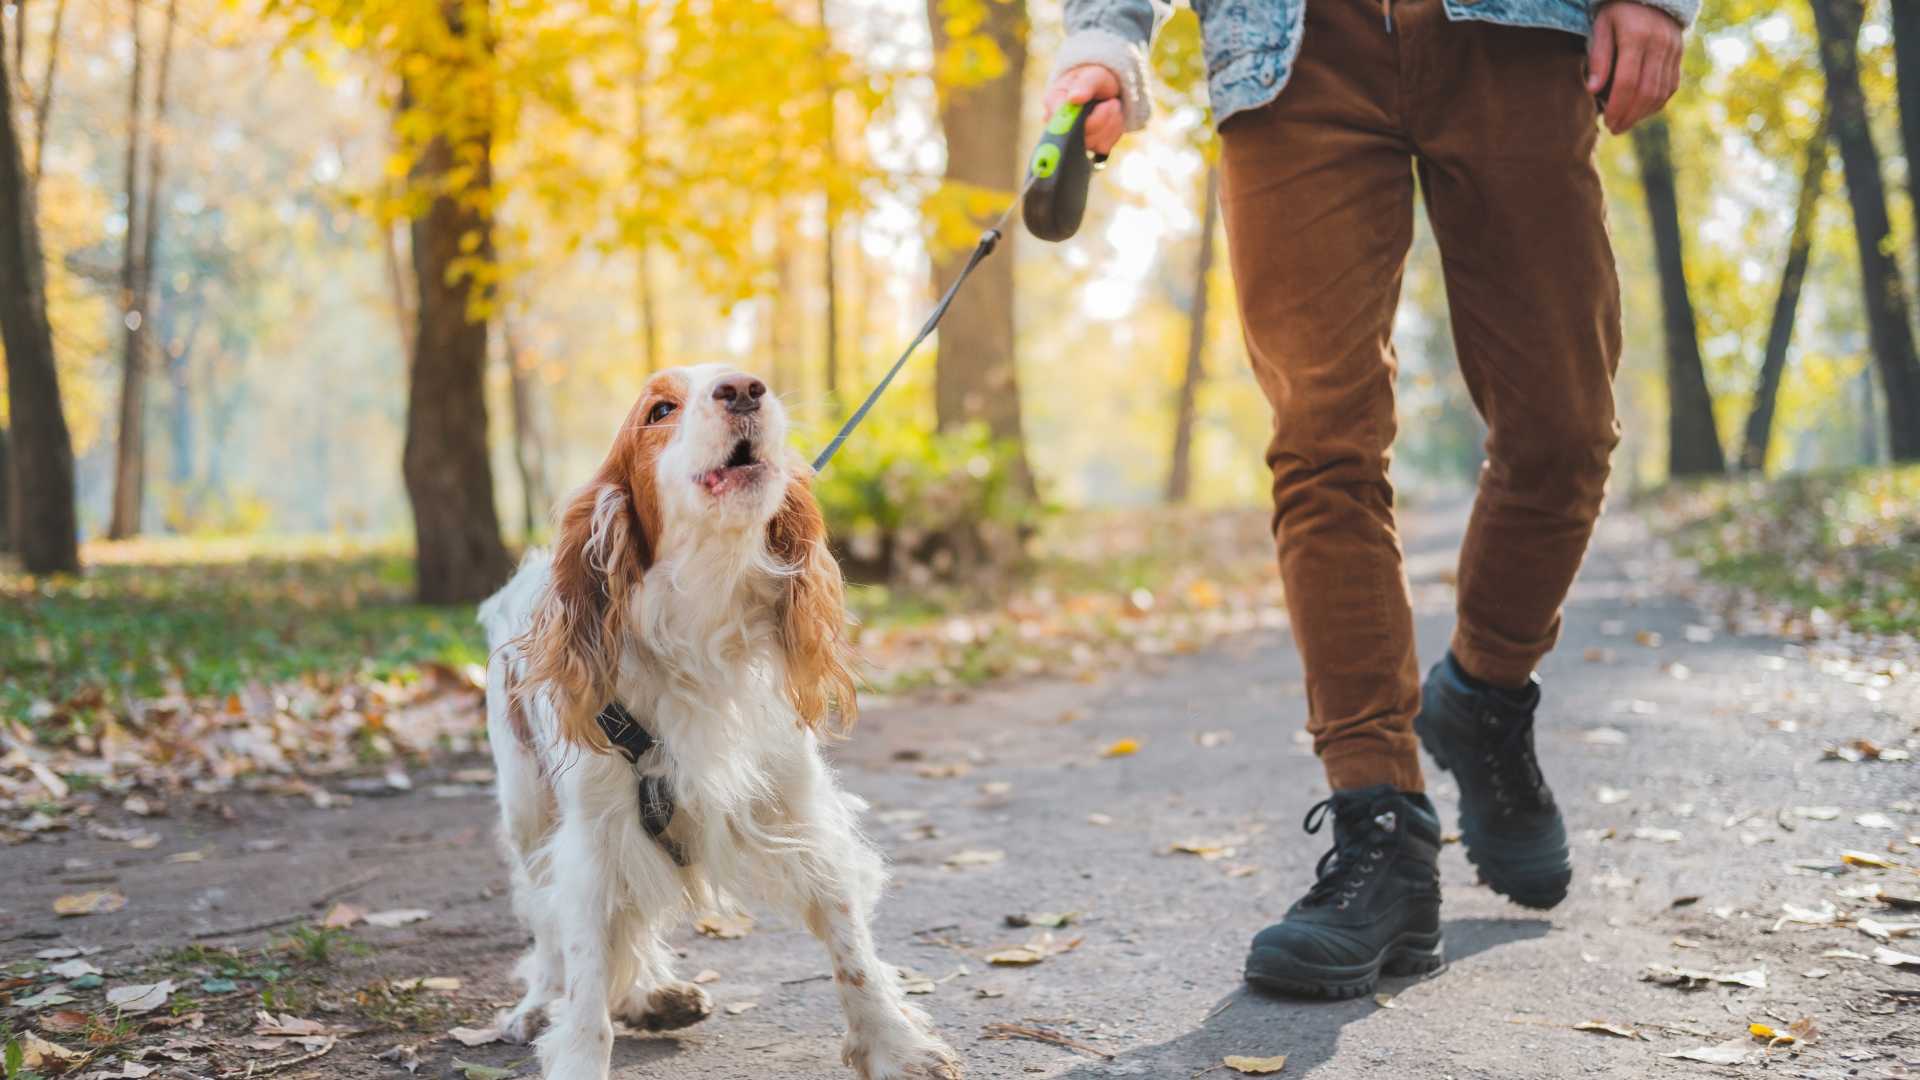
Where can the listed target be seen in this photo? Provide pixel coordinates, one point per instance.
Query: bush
(904, 503)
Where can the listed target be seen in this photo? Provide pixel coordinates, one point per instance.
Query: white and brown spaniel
(654, 697)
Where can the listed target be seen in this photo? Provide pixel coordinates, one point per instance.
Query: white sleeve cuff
(1127, 61)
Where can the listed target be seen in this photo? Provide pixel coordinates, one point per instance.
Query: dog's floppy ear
(813, 613)
(600, 554)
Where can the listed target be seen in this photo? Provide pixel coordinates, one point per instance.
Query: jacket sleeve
(1116, 35)
(1683, 11)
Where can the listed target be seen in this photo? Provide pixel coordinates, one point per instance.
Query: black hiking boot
(1374, 908)
(1508, 821)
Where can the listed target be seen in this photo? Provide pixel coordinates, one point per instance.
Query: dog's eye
(660, 411)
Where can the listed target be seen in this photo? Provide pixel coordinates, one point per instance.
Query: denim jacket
(1251, 45)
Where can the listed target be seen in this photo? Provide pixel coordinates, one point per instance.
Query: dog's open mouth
(740, 470)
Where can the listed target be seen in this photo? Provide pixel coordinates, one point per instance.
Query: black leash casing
(1059, 174)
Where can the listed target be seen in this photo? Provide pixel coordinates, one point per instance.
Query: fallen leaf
(342, 915)
(995, 788)
(1034, 951)
(388, 920)
(58, 952)
(1731, 1052)
(1121, 748)
(474, 1071)
(1884, 931)
(1658, 836)
(187, 857)
(286, 1025)
(141, 998)
(1608, 796)
(1895, 958)
(467, 1036)
(1255, 1066)
(1816, 813)
(912, 982)
(1689, 979)
(975, 857)
(405, 1055)
(1605, 736)
(707, 976)
(1844, 954)
(1099, 819)
(73, 969)
(1868, 859)
(218, 986)
(945, 771)
(1601, 1027)
(738, 1007)
(440, 983)
(41, 1055)
(99, 902)
(1210, 739)
(1874, 821)
(45, 999)
(723, 927)
(1208, 849)
(64, 1022)
(1385, 1001)
(1052, 920)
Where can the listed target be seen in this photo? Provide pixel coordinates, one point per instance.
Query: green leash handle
(1059, 173)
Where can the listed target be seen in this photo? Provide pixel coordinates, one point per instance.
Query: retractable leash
(1052, 200)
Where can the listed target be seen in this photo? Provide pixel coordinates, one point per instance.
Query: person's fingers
(1623, 102)
(1105, 126)
(1600, 54)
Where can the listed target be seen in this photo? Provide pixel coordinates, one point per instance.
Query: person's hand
(1634, 58)
(1092, 82)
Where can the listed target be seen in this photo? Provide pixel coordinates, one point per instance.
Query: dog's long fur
(704, 599)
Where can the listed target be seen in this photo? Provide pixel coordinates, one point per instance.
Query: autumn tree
(980, 59)
(1693, 439)
(41, 449)
(1793, 279)
(1882, 293)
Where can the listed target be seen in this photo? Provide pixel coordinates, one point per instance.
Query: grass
(1843, 543)
(148, 620)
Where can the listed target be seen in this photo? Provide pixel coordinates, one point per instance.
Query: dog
(658, 688)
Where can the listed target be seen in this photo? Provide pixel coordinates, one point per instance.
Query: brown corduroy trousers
(1317, 191)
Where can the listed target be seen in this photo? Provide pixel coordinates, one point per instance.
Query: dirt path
(1680, 759)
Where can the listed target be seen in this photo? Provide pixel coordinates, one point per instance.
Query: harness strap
(656, 797)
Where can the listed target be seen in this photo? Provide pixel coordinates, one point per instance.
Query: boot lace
(1513, 770)
(1360, 841)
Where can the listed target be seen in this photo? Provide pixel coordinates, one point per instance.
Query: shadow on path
(1307, 1032)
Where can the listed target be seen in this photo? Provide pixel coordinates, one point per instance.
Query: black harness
(656, 798)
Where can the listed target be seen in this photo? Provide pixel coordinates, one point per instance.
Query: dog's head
(700, 469)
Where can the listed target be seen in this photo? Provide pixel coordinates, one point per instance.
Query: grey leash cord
(988, 240)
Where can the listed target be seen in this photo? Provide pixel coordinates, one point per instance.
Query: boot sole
(1541, 895)
(1410, 954)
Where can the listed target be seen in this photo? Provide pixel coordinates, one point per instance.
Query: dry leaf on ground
(1895, 958)
(1731, 1052)
(98, 902)
(724, 927)
(1601, 1027)
(467, 1036)
(975, 857)
(140, 998)
(1255, 1066)
(738, 1007)
(342, 915)
(1035, 950)
(1121, 748)
(1210, 849)
(707, 976)
(388, 920)
(1690, 979)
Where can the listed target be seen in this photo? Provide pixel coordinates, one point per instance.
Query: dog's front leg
(887, 1038)
(578, 1045)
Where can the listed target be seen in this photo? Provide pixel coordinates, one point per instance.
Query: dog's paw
(666, 1008)
(521, 1024)
(925, 1059)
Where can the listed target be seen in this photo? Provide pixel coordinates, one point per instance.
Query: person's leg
(1317, 191)
(1516, 205)
(1317, 194)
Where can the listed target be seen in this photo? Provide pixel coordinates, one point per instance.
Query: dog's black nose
(742, 393)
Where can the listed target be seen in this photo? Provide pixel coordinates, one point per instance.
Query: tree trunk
(449, 478)
(529, 450)
(1906, 62)
(406, 309)
(7, 512)
(43, 101)
(42, 451)
(1693, 439)
(975, 378)
(1813, 176)
(1180, 471)
(1884, 296)
(129, 461)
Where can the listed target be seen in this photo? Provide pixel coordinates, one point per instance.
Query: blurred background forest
(315, 270)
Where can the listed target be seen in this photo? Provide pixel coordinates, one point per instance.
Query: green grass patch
(1846, 543)
(154, 619)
